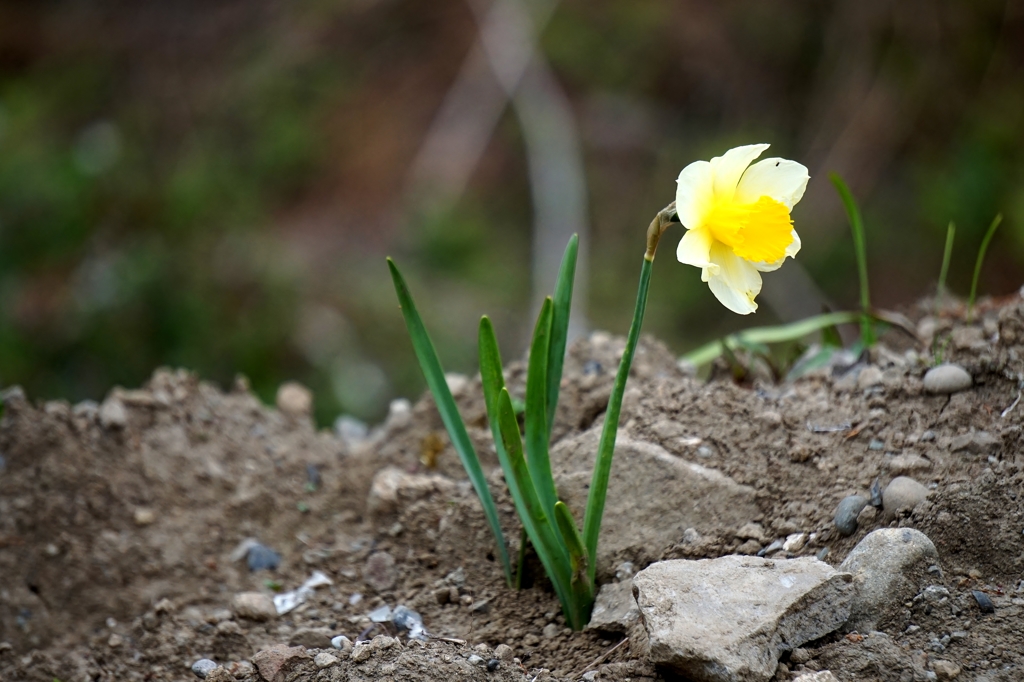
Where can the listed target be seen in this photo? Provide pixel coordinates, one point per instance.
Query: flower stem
(977, 265)
(606, 448)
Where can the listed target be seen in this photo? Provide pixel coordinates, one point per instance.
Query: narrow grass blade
(537, 410)
(580, 584)
(562, 306)
(606, 447)
(509, 447)
(539, 525)
(947, 254)
(774, 334)
(978, 261)
(867, 331)
(434, 375)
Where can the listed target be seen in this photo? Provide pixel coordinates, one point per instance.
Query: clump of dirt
(119, 522)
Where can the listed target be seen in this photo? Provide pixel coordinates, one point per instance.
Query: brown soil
(116, 539)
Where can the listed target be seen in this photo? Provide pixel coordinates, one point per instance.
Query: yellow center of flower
(757, 232)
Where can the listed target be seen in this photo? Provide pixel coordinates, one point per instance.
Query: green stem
(947, 254)
(977, 264)
(606, 449)
(867, 332)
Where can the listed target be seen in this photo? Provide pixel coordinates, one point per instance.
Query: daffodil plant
(737, 217)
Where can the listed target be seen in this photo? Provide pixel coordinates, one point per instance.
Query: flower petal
(791, 251)
(736, 282)
(695, 247)
(694, 194)
(729, 167)
(779, 179)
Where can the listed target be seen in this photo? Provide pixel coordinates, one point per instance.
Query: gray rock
(614, 608)
(846, 514)
(203, 667)
(112, 414)
(902, 492)
(888, 566)
(729, 619)
(976, 442)
(311, 638)
(254, 606)
(908, 463)
(262, 558)
(550, 631)
(947, 378)
(677, 495)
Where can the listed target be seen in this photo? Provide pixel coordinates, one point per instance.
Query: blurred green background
(215, 184)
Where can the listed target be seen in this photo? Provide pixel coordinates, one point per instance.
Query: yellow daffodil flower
(737, 220)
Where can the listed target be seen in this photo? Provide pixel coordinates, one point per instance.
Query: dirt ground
(118, 522)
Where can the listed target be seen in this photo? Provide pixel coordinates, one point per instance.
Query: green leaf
(773, 334)
(947, 254)
(978, 261)
(537, 411)
(867, 331)
(434, 375)
(580, 584)
(562, 307)
(606, 447)
(539, 525)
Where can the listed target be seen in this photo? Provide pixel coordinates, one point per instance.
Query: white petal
(791, 251)
(780, 179)
(729, 167)
(694, 194)
(736, 283)
(695, 247)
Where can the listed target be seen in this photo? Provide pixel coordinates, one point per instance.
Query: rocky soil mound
(144, 534)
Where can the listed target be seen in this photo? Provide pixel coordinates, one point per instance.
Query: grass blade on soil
(434, 375)
(867, 331)
(537, 410)
(978, 261)
(562, 307)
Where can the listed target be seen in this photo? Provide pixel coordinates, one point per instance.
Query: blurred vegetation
(214, 184)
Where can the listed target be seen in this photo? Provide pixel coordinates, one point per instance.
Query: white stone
(948, 378)
(820, 676)
(324, 660)
(112, 414)
(653, 496)
(392, 487)
(729, 619)
(254, 606)
(294, 399)
(888, 566)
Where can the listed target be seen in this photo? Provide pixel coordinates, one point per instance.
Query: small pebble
(112, 414)
(324, 660)
(260, 558)
(876, 493)
(902, 492)
(493, 665)
(203, 667)
(253, 605)
(342, 643)
(846, 514)
(294, 399)
(379, 571)
(476, 660)
(550, 630)
(503, 652)
(795, 542)
(984, 603)
(946, 379)
(361, 653)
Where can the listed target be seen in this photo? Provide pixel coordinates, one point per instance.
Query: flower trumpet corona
(736, 215)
